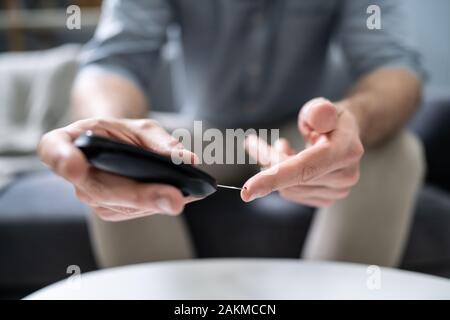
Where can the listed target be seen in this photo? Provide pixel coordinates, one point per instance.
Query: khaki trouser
(370, 226)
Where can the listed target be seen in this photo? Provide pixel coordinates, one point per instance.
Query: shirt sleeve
(368, 49)
(128, 38)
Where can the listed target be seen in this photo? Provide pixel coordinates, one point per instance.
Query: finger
(107, 214)
(263, 153)
(113, 215)
(299, 169)
(323, 192)
(319, 115)
(112, 190)
(124, 211)
(58, 152)
(146, 133)
(282, 146)
(342, 178)
(152, 136)
(56, 148)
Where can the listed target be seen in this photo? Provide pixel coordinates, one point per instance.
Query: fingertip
(254, 188)
(321, 115)
(245, 196)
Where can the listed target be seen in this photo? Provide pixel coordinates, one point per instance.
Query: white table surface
(246, 279)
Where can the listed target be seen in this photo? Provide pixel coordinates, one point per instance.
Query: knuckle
(145, 124)
(356, 152)
(173, 142)
(94, 123)
(47, 141)
(43, 142)
(97, 125)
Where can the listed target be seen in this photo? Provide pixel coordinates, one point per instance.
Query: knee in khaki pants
(371, 225)
(153, 238)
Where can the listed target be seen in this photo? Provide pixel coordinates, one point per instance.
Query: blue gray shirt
(248, 61)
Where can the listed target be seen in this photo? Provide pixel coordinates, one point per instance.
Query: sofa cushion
(428, 248)
(42, 231)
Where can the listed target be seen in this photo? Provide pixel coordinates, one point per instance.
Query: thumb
(319, 115)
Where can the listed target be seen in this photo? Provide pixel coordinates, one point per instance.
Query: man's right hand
(112, 197)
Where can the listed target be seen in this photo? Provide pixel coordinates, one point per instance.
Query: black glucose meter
(144, 165)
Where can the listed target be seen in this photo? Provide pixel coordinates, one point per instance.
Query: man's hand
(323, 172)
(113, 197)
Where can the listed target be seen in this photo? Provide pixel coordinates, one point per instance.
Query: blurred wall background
(40, 24)
(429, 22)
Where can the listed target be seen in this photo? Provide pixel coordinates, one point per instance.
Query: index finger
(57, 151)
(264, 154)
(299, 169)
